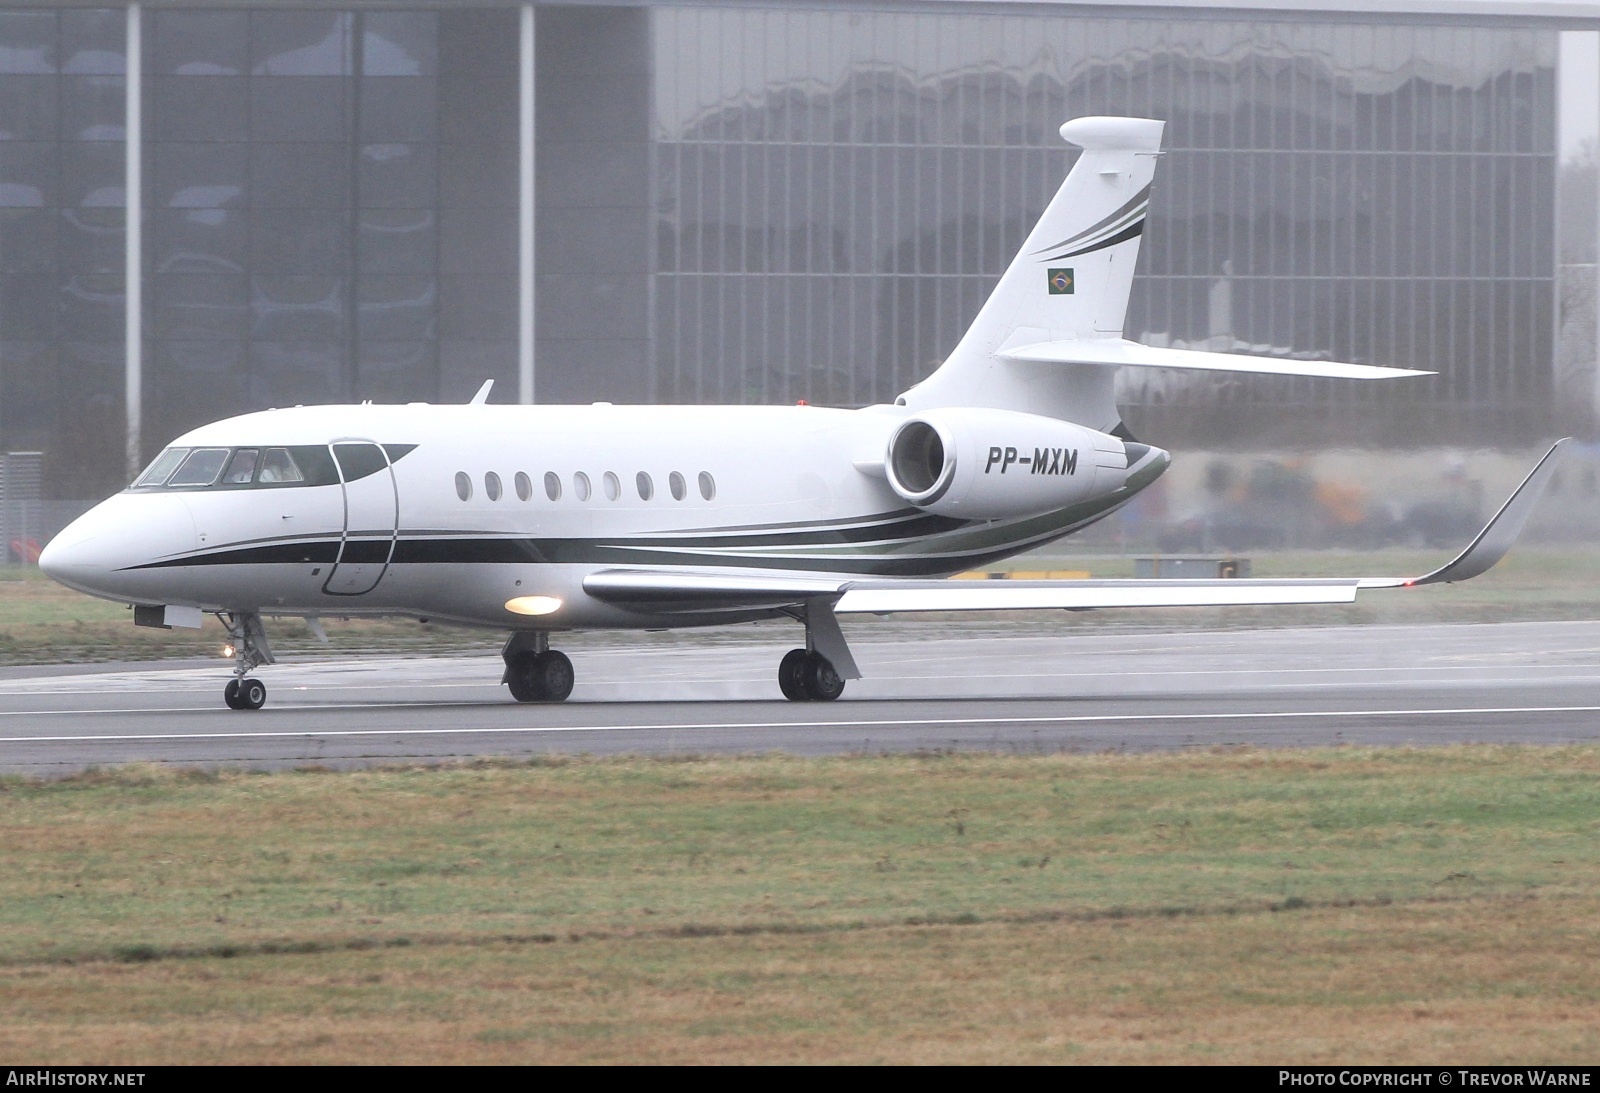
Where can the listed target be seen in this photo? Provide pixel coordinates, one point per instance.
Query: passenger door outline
(371, 518)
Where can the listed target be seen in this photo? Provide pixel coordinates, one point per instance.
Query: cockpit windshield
(159, 471)
(201, 468)
(240, 468)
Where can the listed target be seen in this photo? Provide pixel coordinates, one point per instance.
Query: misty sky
(1580, 89)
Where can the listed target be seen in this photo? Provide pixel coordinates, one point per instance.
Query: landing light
(228, 651)
(533, 605)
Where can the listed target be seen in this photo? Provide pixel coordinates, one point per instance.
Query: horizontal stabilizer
(1120, 353)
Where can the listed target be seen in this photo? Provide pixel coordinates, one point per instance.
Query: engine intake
(919, 468)
(994, 464)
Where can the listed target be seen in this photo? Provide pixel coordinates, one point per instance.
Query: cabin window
(241, 468)
(676, 484)
(647, 488)
(201, 468)
(552, 485)
(708, 485)
(580, 486)
(463, 485)
(524, 486)
(277, 465)
(491, 485)
(613, 485)
(164, 465)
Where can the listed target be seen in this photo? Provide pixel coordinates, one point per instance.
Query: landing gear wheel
(245, 694)
(555, 675)
(821, 679)
(791, 675)
(520, 678)
(252, 694)
(540, 677)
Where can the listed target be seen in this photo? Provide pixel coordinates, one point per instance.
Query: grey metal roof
(1559, 14)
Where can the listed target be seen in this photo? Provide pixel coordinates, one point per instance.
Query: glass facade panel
(301, 43)
(199, 43)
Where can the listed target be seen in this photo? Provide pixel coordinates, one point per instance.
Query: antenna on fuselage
(482, 396)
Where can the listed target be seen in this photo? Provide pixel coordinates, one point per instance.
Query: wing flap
(690, 591)
(882, 598)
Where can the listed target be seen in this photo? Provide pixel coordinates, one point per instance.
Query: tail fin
(1069, 281)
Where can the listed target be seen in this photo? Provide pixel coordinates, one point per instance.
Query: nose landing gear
(245, 694)
(250, 650)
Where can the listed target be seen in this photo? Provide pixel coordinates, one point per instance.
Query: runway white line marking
(891, 723)
(204, 687)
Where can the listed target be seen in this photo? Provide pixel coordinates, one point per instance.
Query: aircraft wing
(691, 591)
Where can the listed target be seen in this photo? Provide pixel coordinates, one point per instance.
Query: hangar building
(755, 202)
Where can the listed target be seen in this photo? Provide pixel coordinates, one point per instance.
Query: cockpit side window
(241, 468)
(278, 468)
(158, 471)
(201, 468)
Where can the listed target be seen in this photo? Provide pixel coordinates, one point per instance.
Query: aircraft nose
(69, 551)
(96, 552)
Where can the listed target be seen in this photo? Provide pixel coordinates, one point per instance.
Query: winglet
(1497, 536)
(482, 396)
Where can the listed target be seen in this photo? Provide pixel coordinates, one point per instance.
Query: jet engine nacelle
(992, 464)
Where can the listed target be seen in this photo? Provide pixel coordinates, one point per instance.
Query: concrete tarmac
(1015, 689)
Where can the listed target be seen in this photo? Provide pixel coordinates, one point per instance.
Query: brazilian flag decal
(1060, 282)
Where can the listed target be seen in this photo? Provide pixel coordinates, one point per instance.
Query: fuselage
(493, 515)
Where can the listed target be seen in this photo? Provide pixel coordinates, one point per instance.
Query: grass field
(1437, 905)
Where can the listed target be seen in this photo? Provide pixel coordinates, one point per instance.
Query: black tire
(555, 675)
(523, 679)
(822, 680)
(230, 695)
(791, 675)
(252, 694)
(540, 677)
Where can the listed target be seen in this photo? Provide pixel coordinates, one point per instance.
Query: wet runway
(1025, 689)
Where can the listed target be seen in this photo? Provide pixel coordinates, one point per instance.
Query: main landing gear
(805, 675)
(818, 672)
(248, 639)
(534, 671)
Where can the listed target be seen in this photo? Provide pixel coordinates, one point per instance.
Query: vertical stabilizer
(1070, 281)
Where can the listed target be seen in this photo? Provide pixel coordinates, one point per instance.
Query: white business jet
(543, 519)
